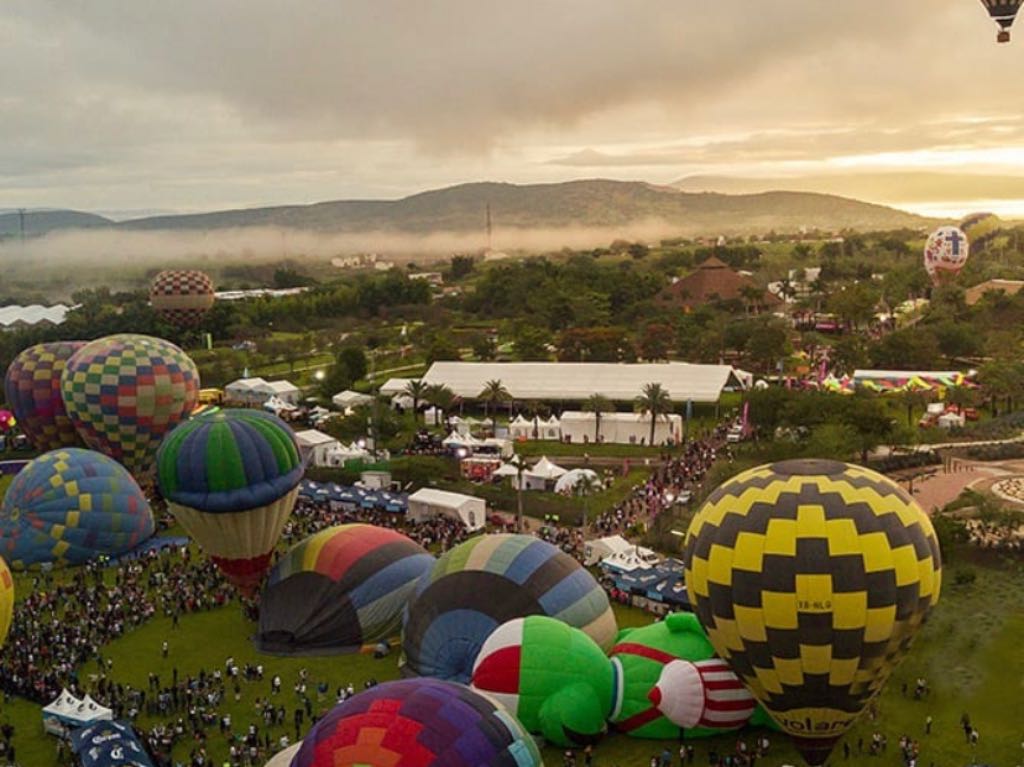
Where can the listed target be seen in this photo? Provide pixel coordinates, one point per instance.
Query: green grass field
(969, 652)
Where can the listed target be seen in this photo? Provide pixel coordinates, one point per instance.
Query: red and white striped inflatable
(702, 694)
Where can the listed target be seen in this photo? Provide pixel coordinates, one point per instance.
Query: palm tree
(416, 390)
(535, 409)
(597, 404)
(586, 485)
(654, 400)
(441, 397)
(519, 464)
(494, 393)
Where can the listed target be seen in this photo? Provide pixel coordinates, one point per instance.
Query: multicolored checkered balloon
(125, 392)
(418, 723)
(182, 296)
(71, 506)
(6, 600)
(32, 389)
(811, 578)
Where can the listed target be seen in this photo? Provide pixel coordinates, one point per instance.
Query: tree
(462, 266)
(494, 393)
(654, 401)
(535, 409)
(416, 390)
(441, 397)
(767, 343)
(597, 404)
(484, 346)
(442, 347)
(848, 354)
(354, 359)
(530, 343)
(656, 342)
(956, 339)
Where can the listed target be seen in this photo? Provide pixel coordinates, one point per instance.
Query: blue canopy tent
(353, 498)
(661, 583)
(109, 744)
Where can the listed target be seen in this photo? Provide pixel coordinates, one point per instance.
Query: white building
(576, 381)
(428, 502)
(621, 428)
(285, 391)
(316, 447)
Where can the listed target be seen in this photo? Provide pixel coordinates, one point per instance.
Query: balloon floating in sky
(6, 601)
(418, 723)
(125, 392)
(182, 297)
(980, 229)
(231, 478)
(32, 388)
(1003, 12)
(486, 581)
(71, 506)
(811, 578)
(945, 254)
(340, 589)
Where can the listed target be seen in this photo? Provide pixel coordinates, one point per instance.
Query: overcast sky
(202, 104)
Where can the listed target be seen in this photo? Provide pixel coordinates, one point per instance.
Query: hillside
(886, 187)
(592, 203)
(43, 221)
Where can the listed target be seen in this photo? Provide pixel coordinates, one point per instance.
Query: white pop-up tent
(427, 503)
(599, 548)
(67, 712)
(567, 482)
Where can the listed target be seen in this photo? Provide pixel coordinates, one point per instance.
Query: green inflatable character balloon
(660, 680)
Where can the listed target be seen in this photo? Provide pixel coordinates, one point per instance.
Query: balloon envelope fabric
(338, 590)
(32, 389)
(418, 723)
(182, 296)
(71, 506)
(811, 578)
(125, 392)
(486, 581)
(6, 600)
(231, 478)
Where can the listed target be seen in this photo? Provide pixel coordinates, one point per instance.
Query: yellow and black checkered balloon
(811, 578)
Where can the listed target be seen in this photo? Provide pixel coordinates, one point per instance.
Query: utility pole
(489, 230)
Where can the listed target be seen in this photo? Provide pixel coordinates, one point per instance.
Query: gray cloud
(199, 103)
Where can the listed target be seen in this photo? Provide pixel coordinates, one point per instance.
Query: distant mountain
(591, 203)
(43, 221)
(889, 188)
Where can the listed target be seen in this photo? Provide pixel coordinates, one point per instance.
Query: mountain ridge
(583, 203)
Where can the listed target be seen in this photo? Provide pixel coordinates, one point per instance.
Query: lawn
(969, 652)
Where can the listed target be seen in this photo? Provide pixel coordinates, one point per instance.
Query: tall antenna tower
(488, 227)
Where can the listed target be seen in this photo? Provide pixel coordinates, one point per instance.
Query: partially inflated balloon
(6, 600)
(339, 590)
(945, 254)
(812, 578)
(72, 506)
(181, 296)
(418, 723)
(980, 229)
(486, 581)
(231, 478)
(32, 388)
(125, 392)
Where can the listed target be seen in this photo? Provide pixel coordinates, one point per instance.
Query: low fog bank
(106, 248)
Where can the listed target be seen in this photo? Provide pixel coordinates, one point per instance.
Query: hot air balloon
(1003, 12)
(32, 388)
(418, 723)
(811, 578)
(71, 506)
(552, 677)
(981, 229)
(6, 600)
(486, 581)
(231, 478)
(339, 589)
(181, 297)
(945, 254)
(125, 392)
